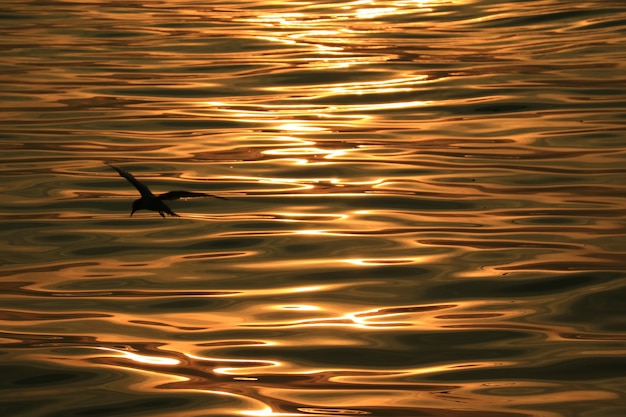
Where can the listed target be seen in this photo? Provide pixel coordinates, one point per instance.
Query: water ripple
(424, 209)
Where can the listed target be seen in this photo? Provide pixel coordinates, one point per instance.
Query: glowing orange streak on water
(151, 360)
(267, 412)
(308, 263)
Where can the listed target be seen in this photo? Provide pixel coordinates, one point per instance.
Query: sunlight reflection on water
(423, 215)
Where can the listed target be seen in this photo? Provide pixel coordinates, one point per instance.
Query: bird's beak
(131, 213)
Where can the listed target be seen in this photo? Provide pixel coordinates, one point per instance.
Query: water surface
(424, 215)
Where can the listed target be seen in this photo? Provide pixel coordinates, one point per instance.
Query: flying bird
(149, 201)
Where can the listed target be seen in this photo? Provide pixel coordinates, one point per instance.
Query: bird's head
(137, 205)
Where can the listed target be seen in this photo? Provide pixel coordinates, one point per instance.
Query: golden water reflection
(423, 216)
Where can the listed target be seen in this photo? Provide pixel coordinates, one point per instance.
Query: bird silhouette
(149, 201)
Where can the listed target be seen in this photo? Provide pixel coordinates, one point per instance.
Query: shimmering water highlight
(424, 214)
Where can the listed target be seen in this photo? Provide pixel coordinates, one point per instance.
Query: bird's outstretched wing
(143, 190)
(175, 195)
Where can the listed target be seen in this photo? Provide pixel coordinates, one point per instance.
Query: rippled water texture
(424, 210)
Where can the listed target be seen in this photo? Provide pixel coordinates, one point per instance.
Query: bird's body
(150, 201)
